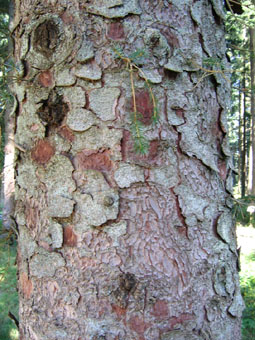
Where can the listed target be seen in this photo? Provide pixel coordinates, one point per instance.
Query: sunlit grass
(246, 239)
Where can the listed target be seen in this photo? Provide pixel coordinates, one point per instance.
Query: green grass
(8, 292)
(246, 239)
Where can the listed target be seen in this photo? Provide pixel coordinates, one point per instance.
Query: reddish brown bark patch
(46, 79)
(160, 310)
(138, 325)
(97, 161)
(70, 239)
(26, 285)
(170, 37)
(42, 152)
(115, 31)
(119, 311)
(144, 106)
(67, 18)
(66, 133)
(127, 148)
(223, 169)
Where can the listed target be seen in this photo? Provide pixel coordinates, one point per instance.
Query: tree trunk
(243, 155)
(114, 244)
(252, 73)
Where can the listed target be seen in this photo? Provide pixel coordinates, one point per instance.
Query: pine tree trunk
(252, 137)
(244, 142)
(114, 244)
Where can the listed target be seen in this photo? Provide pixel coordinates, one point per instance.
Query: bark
(244, 142)
(252, 74)
(113, 244)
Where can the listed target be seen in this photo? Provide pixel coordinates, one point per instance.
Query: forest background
(240, 35)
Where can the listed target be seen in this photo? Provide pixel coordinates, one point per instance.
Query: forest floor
(9, 296)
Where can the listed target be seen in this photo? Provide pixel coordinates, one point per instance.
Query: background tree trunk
(252, 137)
(112, 244)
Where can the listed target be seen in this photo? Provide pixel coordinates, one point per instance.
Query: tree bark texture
(112, 244)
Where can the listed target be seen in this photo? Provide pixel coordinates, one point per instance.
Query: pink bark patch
(42, 152)
(66, 133)
(70, 238)
(46, 78)
(26, 285)
(97, 161)
(160, 309)
(138, 325)
(144, 106)
(115, 31)
(180, 319)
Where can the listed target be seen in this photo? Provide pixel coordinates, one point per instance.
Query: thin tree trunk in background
(244, 142)
(252, 134)
(240, 137)
(112, 244)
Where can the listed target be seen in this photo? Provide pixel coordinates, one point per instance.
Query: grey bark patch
(64, 77)
(225, 229)
(217, 5)
(55, 231)
(59, 206)
(152, 75)
(237, 305)
(75, 96)
(166, 176)
(27, 244)
(223, 281)
(96, 138)
(103, 102)
(128, 174)
(59, 182)
(89, 71)
(196, 10)
(190, 203)
(116, 230)
(85, 52)
(79, 119)
(114, 8)
(180, 335)
(26, 177)
(45, 264)
(91, 209)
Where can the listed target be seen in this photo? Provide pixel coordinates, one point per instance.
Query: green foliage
(8, 291)
(244, 210)
(141, 144)
(248, 292)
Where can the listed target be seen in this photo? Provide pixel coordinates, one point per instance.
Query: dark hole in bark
(127, 282)
(46, 38)
(171, 74)
(216, 17)
(53, 111)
